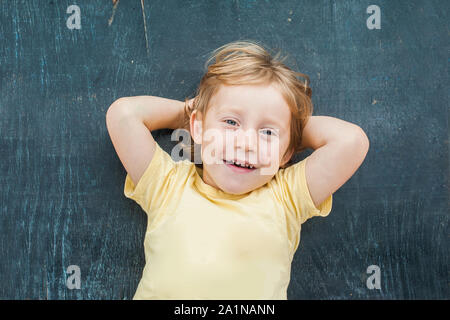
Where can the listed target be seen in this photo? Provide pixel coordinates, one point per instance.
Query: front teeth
(244, 165)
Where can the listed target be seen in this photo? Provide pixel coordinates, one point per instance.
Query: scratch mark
(115, 3)
(145, 26)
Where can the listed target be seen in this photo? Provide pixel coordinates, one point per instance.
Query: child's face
(250, 123)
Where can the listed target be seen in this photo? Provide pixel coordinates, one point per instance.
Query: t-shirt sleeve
(293, 190)
(152, 189)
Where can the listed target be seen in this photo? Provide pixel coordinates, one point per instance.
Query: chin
(238, 190)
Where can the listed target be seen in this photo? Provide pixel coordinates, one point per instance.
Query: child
(229, 228)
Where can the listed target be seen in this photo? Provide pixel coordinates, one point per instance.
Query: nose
(246, 140)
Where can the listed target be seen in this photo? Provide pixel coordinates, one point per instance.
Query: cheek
(228, 147)
(211, 149)
(269, 149)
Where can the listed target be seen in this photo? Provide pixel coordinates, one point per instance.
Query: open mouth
(238, 167)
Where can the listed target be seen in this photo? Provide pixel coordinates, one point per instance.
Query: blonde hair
(249, 63)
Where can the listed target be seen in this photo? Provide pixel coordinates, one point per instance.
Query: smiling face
(248, 124)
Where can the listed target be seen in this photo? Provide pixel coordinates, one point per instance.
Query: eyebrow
(237, 110)
(232, 109)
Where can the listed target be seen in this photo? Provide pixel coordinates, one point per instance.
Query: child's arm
(340, 148)
(156, 112)
(129, 121)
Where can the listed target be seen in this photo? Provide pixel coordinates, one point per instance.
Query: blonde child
(228, 227)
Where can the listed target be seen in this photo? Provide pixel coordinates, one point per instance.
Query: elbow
(118, 106)
(112, 109)
(117, 103)
(356, 140)
(361, 142)
(113, 106)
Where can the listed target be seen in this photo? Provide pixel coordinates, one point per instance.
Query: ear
(196, 126)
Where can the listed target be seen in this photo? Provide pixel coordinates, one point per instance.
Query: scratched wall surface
(61, 182)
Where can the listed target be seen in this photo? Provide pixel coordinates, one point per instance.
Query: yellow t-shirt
(204, 243)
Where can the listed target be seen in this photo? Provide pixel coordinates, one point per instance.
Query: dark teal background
(61, 181)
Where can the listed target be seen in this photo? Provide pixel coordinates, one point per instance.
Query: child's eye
(230, 120)
(269, 132)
